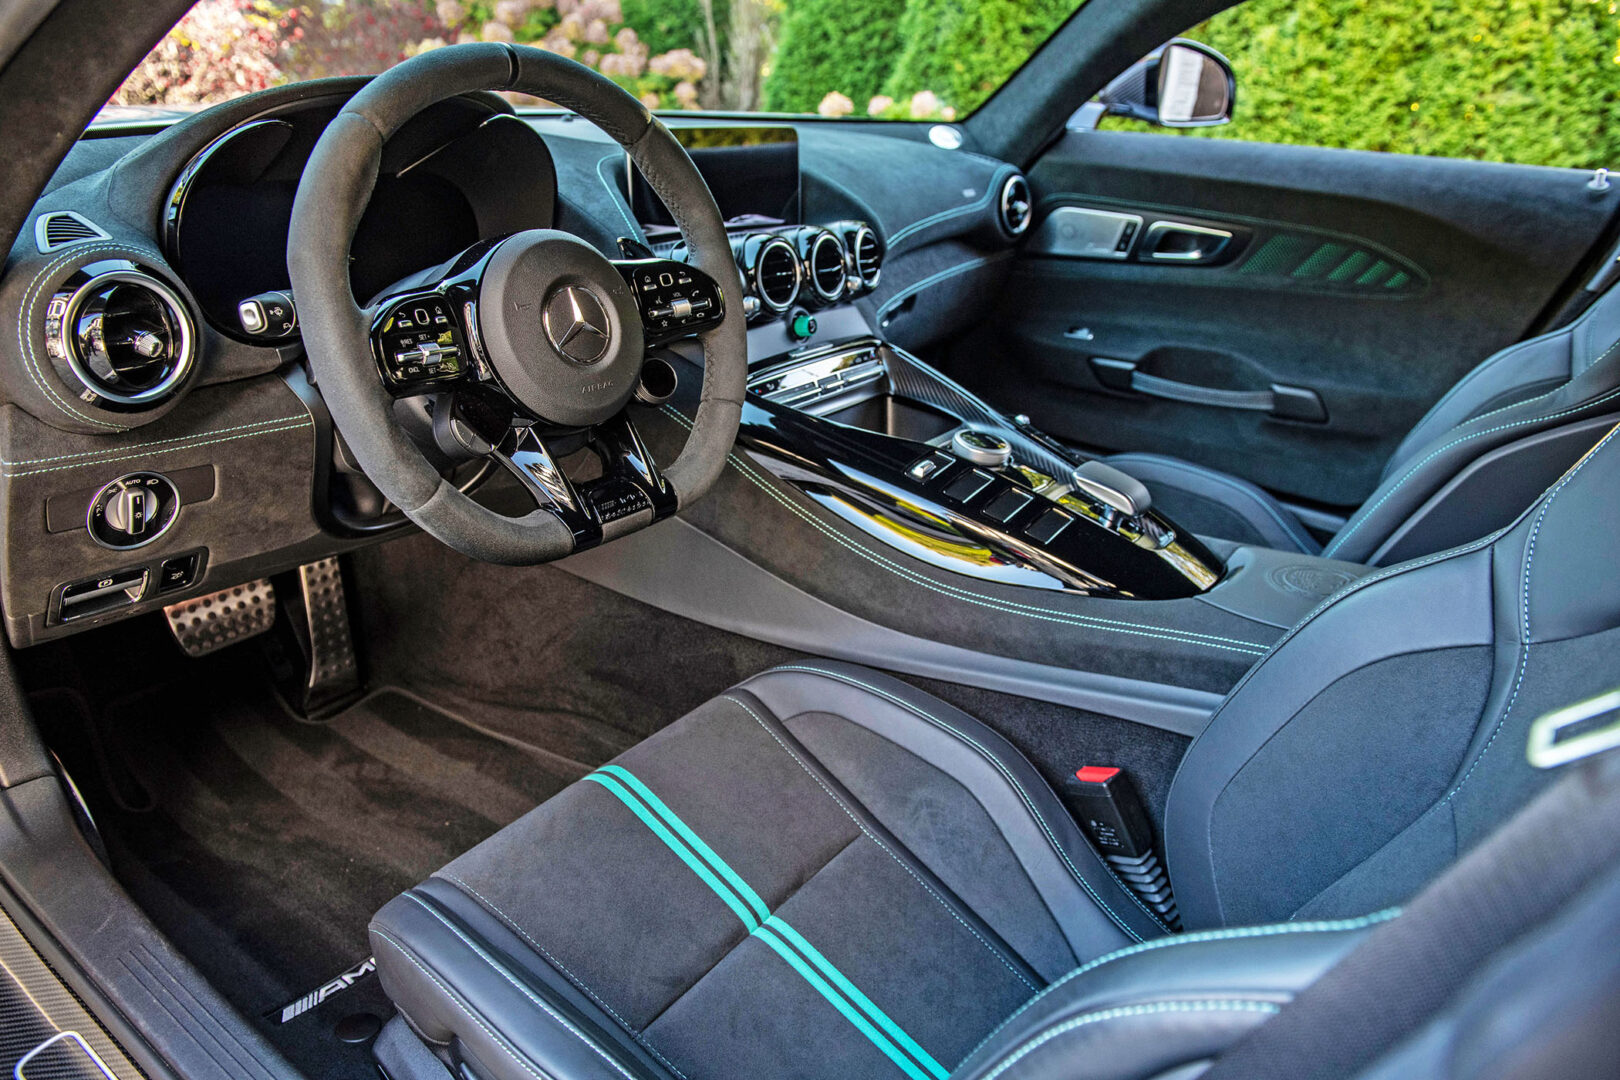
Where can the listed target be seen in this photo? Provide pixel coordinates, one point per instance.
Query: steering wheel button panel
(675, 299)
(419, 343)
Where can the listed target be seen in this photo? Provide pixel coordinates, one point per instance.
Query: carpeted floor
(261, 844)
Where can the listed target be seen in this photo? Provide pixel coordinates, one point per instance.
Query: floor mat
(265, 842)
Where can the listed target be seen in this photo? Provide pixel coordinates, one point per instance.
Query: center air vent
(121, 333)
(777, 274)
(824, 265)
(1014, 207)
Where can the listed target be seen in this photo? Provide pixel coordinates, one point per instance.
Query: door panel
(1369, 283)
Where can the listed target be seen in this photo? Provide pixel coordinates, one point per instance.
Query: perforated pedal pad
(333, 671)
(211, 622)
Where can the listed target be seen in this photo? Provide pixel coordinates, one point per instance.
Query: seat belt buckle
(1112, 817)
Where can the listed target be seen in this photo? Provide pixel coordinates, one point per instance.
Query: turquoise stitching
(613, 197)
(1009, 607)
(143, 452)
(956, 211)
(1524, 608)
(1267, 1007)
(1363, 515)
(700, 857)
(497, 1038)
(1006, 775)
(880, 844)
(1322, 926)
(951, 271)
(560, 966)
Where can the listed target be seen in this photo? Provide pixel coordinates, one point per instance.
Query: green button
(804, 325)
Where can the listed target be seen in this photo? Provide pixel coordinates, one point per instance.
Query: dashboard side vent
(1014, 208)
(777, 274)
(60, 228)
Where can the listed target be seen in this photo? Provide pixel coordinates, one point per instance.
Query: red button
(1096, 774)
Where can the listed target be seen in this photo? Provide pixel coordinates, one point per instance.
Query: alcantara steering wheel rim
(338, 334)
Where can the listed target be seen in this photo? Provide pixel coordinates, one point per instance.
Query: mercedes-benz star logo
(576, 324)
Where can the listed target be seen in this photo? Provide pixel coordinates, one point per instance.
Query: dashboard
(160, 436)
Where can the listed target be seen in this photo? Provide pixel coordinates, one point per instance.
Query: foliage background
(1531, 81)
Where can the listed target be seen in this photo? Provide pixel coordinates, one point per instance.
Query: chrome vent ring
(1014, 209)
(777, 274)
(825, 266)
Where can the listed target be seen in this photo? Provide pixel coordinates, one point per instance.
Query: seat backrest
(1384, 734)
(1512, 405)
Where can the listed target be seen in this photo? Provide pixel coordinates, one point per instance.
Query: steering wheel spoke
(675, 300)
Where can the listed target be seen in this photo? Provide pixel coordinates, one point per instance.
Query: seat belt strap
(1411, 967)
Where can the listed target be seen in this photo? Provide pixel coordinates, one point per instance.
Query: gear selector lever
(1112, 488)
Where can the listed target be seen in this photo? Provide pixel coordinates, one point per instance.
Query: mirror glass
(1194, 88)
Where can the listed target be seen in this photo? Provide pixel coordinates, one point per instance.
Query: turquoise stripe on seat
(704, 850)
(803, 957)
(854, 994)
(891, 1051)
(671, 842)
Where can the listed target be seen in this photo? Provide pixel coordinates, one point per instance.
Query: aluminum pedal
(209, 623)
(333, 672)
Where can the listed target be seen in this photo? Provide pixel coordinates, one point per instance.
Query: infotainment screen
(753, 172)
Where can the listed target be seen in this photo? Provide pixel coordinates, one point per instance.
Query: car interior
(508, 593)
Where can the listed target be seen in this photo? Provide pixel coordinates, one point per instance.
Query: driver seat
(826, 873)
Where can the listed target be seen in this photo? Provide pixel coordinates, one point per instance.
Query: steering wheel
(523, 347)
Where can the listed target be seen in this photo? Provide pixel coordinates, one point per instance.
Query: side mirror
(1182, 84)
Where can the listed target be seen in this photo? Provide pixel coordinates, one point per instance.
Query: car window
(878, 59)
(1534, 83)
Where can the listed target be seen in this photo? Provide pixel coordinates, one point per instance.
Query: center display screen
(752, 171)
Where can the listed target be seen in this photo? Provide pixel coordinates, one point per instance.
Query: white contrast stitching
(1268, 1007)
(951, 271)
(1006, 773)
(520, 988)
(511, 924)
(455, 1000)
(142, 452)
(93, 455)
(955, 211)
(1321, 926)
(25, 322)
(1363, 515)
(885, 848)
(1008, 607)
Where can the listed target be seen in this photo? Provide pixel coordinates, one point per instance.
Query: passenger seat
(1471, 465)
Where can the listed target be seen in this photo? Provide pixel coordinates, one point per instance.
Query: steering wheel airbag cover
(544, 275)
(332, 196)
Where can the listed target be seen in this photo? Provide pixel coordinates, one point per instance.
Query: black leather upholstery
(827, 873)
(1469, 467)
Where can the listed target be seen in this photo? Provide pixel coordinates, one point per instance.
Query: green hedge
(846, 46)
(675, 24)
(962, 50)
(1528, 81)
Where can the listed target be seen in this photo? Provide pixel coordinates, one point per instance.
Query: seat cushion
(1213, 503)
(821, 873)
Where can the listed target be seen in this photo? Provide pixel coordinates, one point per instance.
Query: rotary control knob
(132, 511)
(981, 448)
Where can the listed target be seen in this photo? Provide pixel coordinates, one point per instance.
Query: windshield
(875, 59)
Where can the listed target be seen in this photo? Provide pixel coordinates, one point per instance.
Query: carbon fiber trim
(45, 1031)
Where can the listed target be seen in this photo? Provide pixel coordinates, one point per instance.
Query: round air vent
(1014, 207)
(123, 334)
(777, 274)
(824, 265)
(866, 254)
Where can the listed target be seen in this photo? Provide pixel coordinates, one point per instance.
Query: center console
(914, 460)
